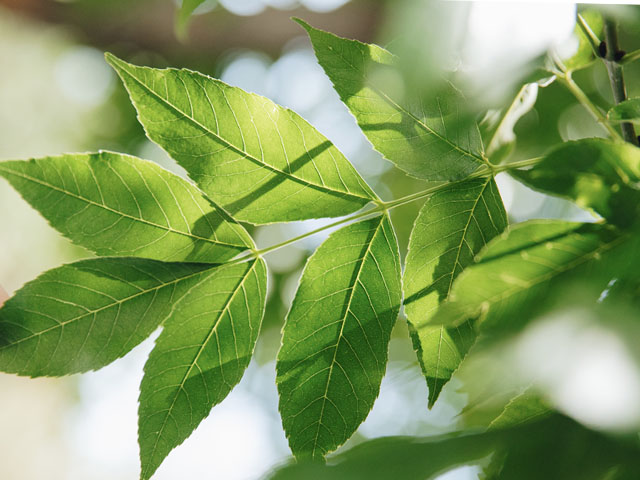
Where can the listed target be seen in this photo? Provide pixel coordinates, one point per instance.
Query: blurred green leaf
(201, 354)
(523, 408)
(428, 138)
(261, 162)
(516, 273)
(554, 449)
(335, 340)
(595, 173)
(184, 15)
(627, 111)
(452, 227)
(115, 204)
(84, 315)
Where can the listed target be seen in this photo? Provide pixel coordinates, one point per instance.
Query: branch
(616, 78)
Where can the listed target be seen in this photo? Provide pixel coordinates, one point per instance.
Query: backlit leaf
(115, 204)
(428, 138)
(452, 227)
(519, 268)
(335, 340)
(84, 315)
(201, 354)
(263, 163)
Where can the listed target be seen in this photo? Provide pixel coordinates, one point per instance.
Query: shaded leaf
(452, 227)
(519, 268)
(554, 449)
(595, 173)
(427, 138)
(84, 315)
(201, 354)
(263, 163)
(335, 340)
(115, 204)
(627, 111)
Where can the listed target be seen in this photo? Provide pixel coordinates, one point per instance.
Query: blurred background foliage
(58, 95)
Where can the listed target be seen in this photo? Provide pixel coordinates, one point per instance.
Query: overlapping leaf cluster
(172, 254)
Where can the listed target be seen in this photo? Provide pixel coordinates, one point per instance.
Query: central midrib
(238, 150)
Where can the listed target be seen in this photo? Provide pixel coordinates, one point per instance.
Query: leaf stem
(593, 39)
(483, 172)
(566, 80)
(630, 57)
(615, 75)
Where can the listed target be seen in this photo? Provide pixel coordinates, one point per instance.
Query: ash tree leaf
(595, 173)
(523, 408)
(451, 228)
(261, 162)
(335, 339)
(427, 138)
(519, 269)
(115, 204)
(626, 111)
(204, 348)
(84, 315)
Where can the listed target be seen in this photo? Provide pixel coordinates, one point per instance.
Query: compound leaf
(518, 269)
(115, 204)
(201, 354)
(84, 315)
(595, 173)
(427, 138)
(263, 163)
(334, 345)
(452, 227)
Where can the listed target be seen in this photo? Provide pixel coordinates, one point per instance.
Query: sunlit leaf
(595, 173)
(522, 408)
(519, 268)
(84, 315)
(428, 138)
(263, 163)
(627, 111)
(452, 227)
(115, 204)
(201, 354)
(334, 345)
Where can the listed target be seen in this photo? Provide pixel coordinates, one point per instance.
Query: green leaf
(334, 345)
(83, 316)
(427, 138)
(263, 163)
(400, 458)
(584, 55)
(452, 227)
(523, 408)
(627, 111)
(201, 354)
(595, 173)
(517, 271)
(114, 204)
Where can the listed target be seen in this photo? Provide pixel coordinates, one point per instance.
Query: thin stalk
(630, 57)
(566, 80)
(492, 147)
(483, 172)
(593, 39)
(615, 75)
